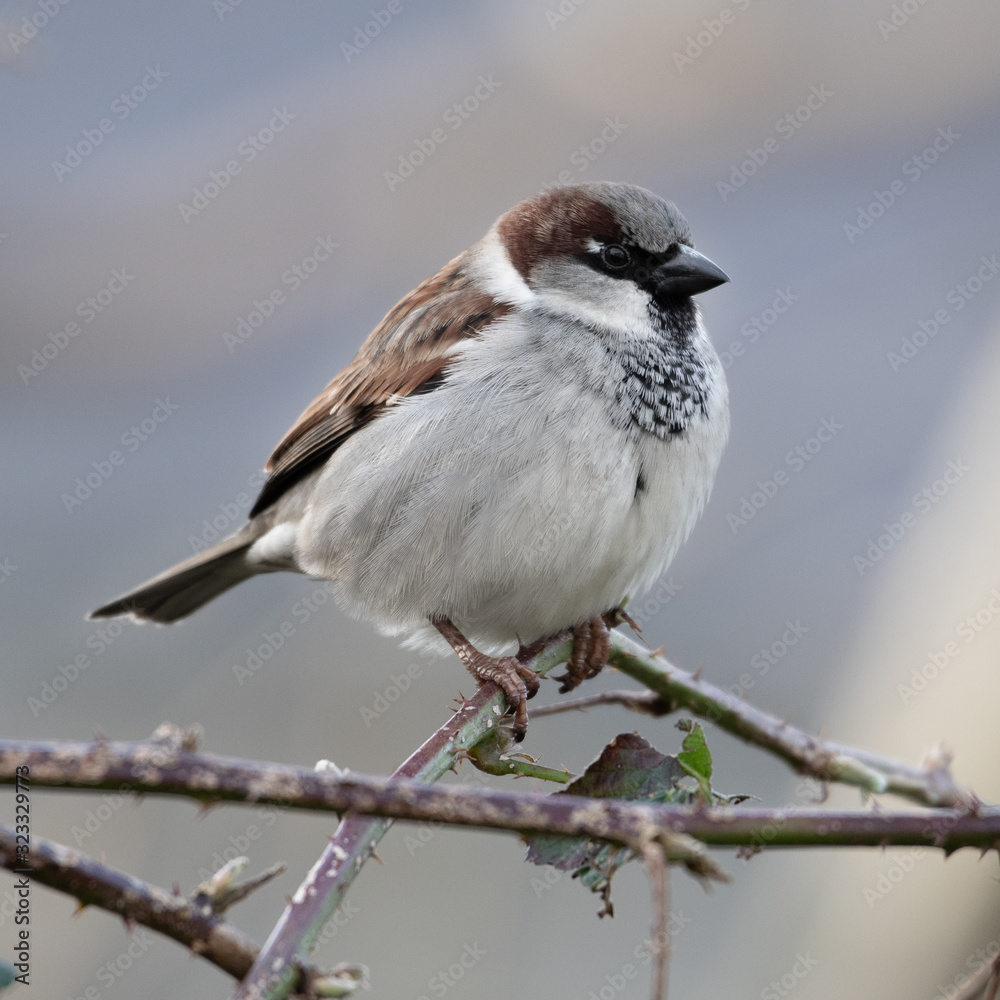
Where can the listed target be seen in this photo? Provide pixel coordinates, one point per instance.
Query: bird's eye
(614, 256)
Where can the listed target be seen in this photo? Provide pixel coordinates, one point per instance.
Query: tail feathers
(186, 587)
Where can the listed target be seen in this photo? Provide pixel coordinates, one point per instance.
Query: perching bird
(522, 442)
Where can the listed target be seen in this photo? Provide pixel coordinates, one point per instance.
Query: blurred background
(167, 169)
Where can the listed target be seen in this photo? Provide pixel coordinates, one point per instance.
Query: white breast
(507, 499)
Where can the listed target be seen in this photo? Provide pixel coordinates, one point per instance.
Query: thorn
(191, 737)
(80, 907)
(697, 674)
(660, 652)
(375, 857)
(325, 766)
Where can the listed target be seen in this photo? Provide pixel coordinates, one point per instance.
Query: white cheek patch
(620, 306)
(498, 275)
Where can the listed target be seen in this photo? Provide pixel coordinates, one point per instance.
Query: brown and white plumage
(524, 440)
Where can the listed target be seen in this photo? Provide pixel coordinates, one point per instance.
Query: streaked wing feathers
(410, 347)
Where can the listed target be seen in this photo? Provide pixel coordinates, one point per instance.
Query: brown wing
(405, 354)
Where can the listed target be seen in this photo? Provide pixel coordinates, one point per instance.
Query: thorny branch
(195, 921)
(328, 880)
(152, 768)
(644, 702)
(168, 764)
(931, 785)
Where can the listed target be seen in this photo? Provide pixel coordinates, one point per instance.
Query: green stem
(807, 754)
(302, 922)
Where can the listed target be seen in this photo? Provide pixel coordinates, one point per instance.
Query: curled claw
(518, 682)
(591, 648)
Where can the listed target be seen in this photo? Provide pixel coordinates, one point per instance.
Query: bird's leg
(516, 680)
(591, 647)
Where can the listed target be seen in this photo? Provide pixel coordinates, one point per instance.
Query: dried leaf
(628, 768)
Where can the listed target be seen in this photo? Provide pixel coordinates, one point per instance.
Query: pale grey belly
(508, 521)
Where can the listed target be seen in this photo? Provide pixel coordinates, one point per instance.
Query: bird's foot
(591, 647)
(516, 680)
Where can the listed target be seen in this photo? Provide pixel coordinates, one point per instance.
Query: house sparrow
(523, 441)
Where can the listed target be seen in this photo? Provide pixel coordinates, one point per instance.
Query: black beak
(686, 273)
